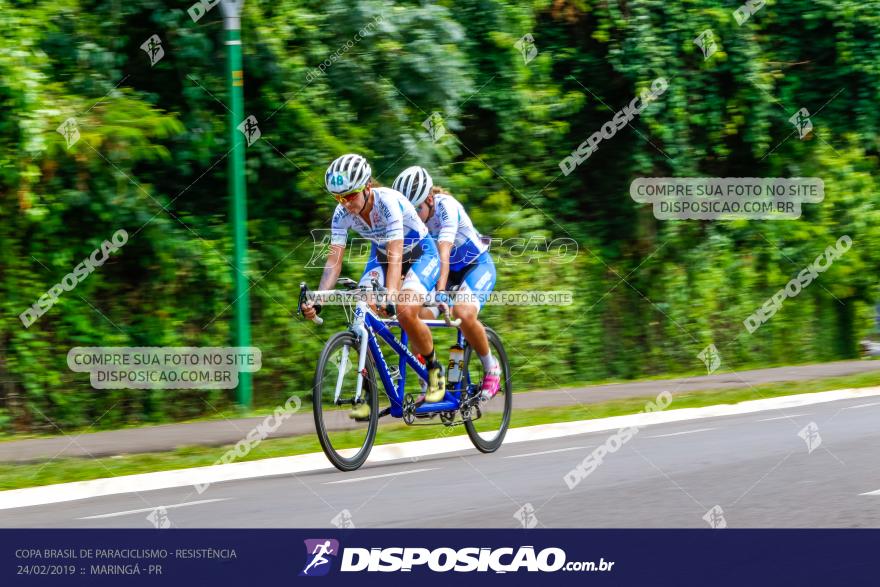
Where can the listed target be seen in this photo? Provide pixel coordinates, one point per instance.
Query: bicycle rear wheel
(487, 432)
(346, 442)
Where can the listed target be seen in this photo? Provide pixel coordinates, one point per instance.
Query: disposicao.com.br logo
(318, 551)
(441, 560)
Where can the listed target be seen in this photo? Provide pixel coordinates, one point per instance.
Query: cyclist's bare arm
(393, 272)
(332, 270)
(444, 248)
(333, 267)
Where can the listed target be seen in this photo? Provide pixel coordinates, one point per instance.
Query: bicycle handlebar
(447, 316)
(449, 321)
(303, 293)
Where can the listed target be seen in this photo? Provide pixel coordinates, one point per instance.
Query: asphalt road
(229, 431)
(754, 466)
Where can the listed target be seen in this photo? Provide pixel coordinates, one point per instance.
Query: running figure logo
(715, 517)
(810, 435)
(526, 516)
(801, 121)
(436, 126)
(250, 129)
(69, 131)
(710, 358)
(159, 518)
(526, 46)
(317, 552)
(706, 42)
(153, 48)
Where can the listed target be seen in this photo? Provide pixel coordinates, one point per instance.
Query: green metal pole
(237, 195)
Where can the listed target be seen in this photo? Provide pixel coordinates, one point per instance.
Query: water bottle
(456, 364)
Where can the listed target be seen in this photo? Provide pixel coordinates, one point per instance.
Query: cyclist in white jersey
(401, 247)
(464, 262)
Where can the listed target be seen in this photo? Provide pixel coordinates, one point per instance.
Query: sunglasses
(343, 198)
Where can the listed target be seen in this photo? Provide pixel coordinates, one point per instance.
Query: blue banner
(434, 557)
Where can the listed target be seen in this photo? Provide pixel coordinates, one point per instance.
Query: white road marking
(783, 417)
(681, 433)
(871, 493)
(355, 480)
(63, 492)
(547, 452)
(861, 406)
(144, 510)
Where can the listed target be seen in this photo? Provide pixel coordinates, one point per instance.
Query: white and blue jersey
(391, 218)
(451, 224)
(470, 264)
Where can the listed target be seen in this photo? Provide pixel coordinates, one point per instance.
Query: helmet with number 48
(348, 174)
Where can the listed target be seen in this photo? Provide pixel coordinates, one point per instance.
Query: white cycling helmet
(347, 174)
(414, 183)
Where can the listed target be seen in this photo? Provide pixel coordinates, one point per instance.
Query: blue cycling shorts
(477, 280)
(421, 267)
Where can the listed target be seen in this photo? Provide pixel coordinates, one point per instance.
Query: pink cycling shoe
(491, 383)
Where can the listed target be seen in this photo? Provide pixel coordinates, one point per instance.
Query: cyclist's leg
(409, 310)
(419, 280)
(432, 312)
(476, 285)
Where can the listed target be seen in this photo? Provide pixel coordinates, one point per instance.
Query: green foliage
(648, 295)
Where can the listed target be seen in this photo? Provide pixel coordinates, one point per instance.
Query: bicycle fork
(360, 329)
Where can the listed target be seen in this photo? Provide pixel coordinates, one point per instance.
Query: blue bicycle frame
(367, 324)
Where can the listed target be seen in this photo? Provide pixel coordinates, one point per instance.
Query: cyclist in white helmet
(464, 261)
(401, 247)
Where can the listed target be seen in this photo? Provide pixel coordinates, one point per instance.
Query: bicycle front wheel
(487, 432)
(345, 441)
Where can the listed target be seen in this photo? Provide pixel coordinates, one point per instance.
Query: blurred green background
(649, 295)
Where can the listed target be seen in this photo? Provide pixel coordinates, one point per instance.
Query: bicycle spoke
(490, 418)
(345, 440)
